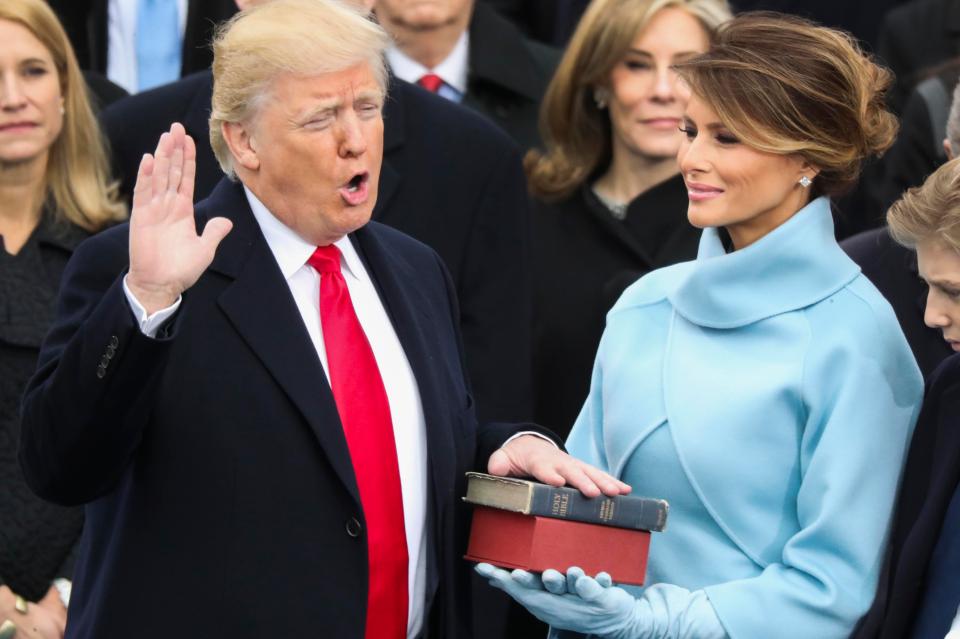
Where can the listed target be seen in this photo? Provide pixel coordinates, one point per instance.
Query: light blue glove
(595, 607)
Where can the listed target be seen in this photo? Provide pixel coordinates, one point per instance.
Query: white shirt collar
(292, 251)
(453, 70)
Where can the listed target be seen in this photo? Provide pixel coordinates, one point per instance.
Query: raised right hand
(166, 254)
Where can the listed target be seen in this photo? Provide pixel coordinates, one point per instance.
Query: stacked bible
(525, 524)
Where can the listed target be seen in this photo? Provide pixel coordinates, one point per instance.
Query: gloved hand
(575, 602)
(586, 605)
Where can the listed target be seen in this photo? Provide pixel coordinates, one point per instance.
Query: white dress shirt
(121, 40)
(453, 70)
(406, 411)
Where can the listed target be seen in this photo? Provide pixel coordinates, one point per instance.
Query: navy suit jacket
(930, 479)
(450, 178)
(221, 500)
(892, 268)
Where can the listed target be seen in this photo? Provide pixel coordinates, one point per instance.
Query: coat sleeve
(861, 395)
(85, 409)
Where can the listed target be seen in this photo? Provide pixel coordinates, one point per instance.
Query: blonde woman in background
(54, 192)
(764, 389)
(609, 202)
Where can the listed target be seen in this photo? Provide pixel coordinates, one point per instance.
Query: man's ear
(948, 148)
(241, 143)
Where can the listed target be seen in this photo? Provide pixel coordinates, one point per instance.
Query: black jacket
(212, 461)
(508, 74)
(930, 478)
(450, 179)
(893, 270)
(36, 537)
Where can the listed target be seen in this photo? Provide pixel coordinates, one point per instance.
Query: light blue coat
(784, 395)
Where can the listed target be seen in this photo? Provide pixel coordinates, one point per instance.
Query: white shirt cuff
(535, 434)
(149, 324)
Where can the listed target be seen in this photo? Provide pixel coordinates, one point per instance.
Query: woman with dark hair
(764, 389)
(54, 192)
(609, 203)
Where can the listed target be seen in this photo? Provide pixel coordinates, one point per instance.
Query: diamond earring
(600, 98)
(805, 181)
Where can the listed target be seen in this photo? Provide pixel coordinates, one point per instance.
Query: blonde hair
(931, 211)
(78, 184)
(576, 132)
(302, 37)
(785, 85)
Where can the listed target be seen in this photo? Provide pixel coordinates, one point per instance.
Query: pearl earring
(805, 181)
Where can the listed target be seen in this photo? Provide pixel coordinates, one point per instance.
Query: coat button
(114, 341)
(353, 527)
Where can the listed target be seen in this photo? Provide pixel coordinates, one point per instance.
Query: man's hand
(37, 623)
(530, 456)
(166, 254)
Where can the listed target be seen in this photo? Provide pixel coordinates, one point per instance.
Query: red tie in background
(431, 82)
(365, 414)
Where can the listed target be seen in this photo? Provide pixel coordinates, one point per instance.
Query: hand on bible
(166, 254)
(530, 456)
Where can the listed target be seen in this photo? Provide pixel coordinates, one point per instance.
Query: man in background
(466, 52)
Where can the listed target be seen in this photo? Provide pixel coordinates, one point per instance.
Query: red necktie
(365, 414)
(431, 82)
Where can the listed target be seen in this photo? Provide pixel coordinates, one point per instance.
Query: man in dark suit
(450, 179)
(892, 268)
(87, 26)
(183, 393)
(468, 53)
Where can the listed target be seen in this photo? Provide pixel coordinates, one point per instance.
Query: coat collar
(795, 265)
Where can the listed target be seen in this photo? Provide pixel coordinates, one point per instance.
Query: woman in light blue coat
(765, 389)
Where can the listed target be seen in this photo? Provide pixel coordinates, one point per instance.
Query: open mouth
(354, 184)
(356, 190)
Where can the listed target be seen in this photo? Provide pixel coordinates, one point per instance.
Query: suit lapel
(259, 306)
(394, 278)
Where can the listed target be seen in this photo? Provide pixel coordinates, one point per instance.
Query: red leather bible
(514, 540)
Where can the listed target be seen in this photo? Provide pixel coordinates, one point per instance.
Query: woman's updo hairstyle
(785, 85)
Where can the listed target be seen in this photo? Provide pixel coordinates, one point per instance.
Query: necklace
(617, 209)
